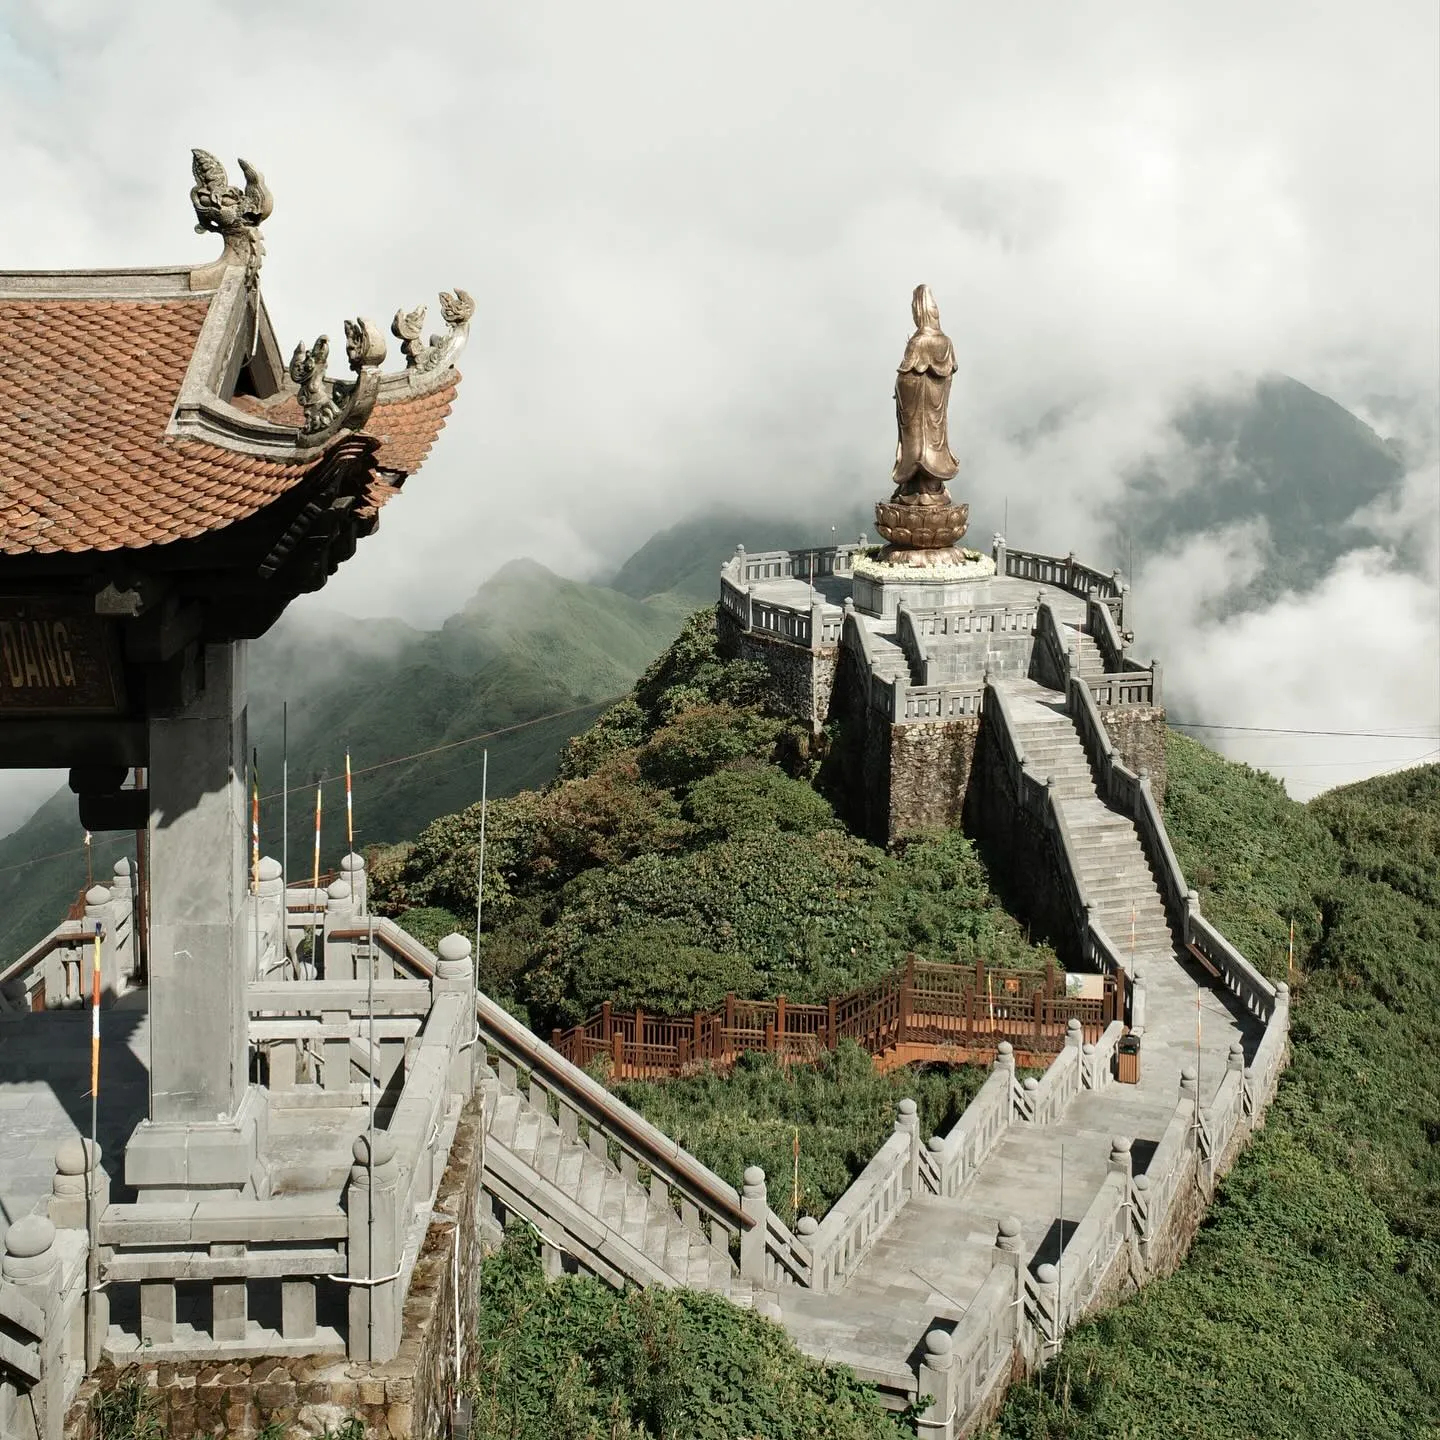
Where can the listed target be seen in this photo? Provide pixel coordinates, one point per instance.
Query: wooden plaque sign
(55, 660)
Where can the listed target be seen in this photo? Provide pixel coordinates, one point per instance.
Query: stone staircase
(585, 1207)
(1114, 871)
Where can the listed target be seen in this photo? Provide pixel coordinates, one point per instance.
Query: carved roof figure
(233, 213)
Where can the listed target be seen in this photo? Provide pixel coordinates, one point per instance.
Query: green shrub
(575, 1360)
(840, 1109)
(745, 799)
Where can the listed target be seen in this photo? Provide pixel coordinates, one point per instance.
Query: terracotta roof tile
(87, 388)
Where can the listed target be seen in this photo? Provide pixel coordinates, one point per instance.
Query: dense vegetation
(1309, 1303)
(683, 852)
(576, 1360)
(836, 1114)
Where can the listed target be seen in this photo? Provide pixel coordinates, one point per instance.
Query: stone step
(569, 1170)
(547, 1156)
(507, 1112)
(527, 1134)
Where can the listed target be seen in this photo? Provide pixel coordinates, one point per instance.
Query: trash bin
(1127, 1060)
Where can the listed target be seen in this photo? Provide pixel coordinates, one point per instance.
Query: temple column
(201, 1137)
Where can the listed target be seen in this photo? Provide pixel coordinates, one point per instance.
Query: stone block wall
(407, 1398)
(930, 765)
(800, 680)
(1139, 735)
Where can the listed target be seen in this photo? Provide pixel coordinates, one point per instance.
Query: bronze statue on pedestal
(920, 522)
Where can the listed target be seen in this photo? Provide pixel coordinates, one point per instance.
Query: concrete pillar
(375, 1240)
(935, 1376)
(32, 1265)
(352, 869)
(754, 1201)
(908, 1121)
(205, 1119)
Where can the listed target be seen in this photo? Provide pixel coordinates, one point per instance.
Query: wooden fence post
(831, 1038)
(780, 1020)
(605, 1030)
(639, 1056)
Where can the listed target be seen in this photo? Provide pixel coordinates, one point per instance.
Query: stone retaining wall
(1138, 733)
(800, 680)
(408, 1398)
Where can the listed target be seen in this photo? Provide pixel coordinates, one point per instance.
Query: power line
(1426, 734)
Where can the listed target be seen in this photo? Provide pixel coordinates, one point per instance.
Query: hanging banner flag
(95, 1019)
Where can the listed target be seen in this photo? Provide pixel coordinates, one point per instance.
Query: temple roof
(143, 408)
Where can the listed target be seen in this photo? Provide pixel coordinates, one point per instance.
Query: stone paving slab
(45, 1095)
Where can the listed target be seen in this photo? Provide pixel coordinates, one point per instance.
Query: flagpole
(284, 795)
(349, 808)
(480, 872)
(255, 824)
(315, 880)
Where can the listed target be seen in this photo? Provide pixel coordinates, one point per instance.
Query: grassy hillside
(1310, 1300)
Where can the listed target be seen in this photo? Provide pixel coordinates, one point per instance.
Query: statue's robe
(922, 400)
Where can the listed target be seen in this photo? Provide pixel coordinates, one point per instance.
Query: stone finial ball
(1120, 1142)
(1004, 1048)
(934, 1144)
(454, 947)
(1074, 1024)
(1141, 1182)
(29, 1236)
(1030, 1083)
(907, 1106)
(97, 895)
(807, 1225)
(1010, 1227)
(754, 1175)
(339, 889)
(1087, 1048)
(1187, 1072)
(1047, 1275)
(269, 868)
(938, 1342)
(71, 1155)
(352, 861)
(384, 1149)
(122, 866)
(1282, 989)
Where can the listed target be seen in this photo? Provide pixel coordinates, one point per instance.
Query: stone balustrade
(1043, 1100)
(859, 1217)
(948, 1163)
(1064, 572)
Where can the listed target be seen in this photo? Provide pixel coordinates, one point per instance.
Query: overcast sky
(691, 234)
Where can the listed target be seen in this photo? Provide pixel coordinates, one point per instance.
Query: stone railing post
(1005, 1060)
(122, 898)
(352, 868)
(1074, 1036)
(908, 1120)
(935, 1376)
(754, 1201)
(372, 1204)
(1090, 1078)
(79, 1194)
(997, 552)
(455, 975)
(270, 910)
(32, 1266)
(1047, 1299)
(1140, 1215)
(749, 607)
(1192, 909)
(339, 956)
(936, 1146)
(807, 1227)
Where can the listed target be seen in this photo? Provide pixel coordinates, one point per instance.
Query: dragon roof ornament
(456, 309)
(224, 209)
(330, 406)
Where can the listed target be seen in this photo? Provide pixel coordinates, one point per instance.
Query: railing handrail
(215, 1222)
(557, 1073)
(67, 932)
